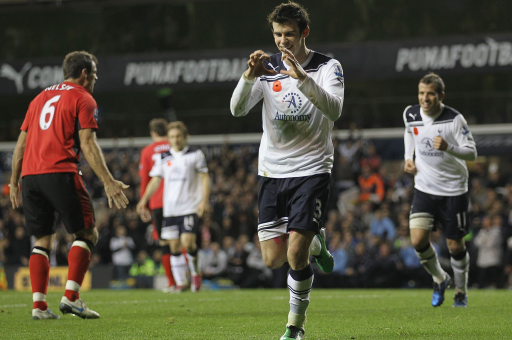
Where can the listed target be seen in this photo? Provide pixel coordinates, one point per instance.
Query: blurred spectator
(488, 241)
(213, 261)
(371, 186)
(143, 270)
(122, 258)
(385, 269)
(382, 226)
(258, 275)
(237, 262)
(371, 159)
(19, 249)
(358, 265)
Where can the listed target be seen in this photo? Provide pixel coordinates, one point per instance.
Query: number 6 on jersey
(48, 109)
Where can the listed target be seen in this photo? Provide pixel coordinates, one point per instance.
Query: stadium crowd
(367, 223)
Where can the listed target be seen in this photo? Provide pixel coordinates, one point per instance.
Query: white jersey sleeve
(465, 147)
(157, 170)
(329, 98)
(408, 138)
(247, 94)
(201, 165)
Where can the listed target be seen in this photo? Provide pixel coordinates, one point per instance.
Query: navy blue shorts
(174, 226)
(451, 212)
(291, 203)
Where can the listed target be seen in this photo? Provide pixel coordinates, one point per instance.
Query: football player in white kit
(440, 138)
(302, 92)
(186, 198)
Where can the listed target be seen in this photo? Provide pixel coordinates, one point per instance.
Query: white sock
(299, 285)
(431, 263)
(315, 247)
(192, 264)
(179, 269)
(460, 273)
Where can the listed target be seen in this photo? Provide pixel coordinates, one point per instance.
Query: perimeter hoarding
(376, 60)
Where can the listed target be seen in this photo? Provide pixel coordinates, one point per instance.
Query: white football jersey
(180, 171)
(297, 116)
(439, 173)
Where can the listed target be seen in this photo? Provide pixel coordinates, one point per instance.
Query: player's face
(429, 99)
(177, 140)
(288, 36)
(91, 78)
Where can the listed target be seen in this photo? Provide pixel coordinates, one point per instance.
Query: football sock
(166, 263)
(179, 269)
(429, 260)
(39, 267)
(460, 265)
(299, 285)
(192, 262)
(316, 247)
(79, 258)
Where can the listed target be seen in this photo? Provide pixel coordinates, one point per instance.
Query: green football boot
(293, 332)
(324, 260)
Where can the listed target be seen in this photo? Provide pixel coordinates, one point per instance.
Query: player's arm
(248, 91)
(328, 98)
(466, 146)
(92, 152)
(205, 185)
(151, 188)
(17, 160)
(409, 165)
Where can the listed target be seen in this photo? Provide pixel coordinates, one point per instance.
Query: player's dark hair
(158, 126)
(178, 125)
(435, 79)
(75, 62)
(290, 12)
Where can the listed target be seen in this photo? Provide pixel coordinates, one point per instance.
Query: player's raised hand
(410, 167)
(255, 64)
(14, 194)
(296, 71)
(115, 194)
(440, 143)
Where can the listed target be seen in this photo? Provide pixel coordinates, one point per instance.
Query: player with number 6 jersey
(60, 122)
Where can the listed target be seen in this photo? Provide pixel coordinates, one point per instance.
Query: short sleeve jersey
(52, 123)
(439, 173)
(147, 160)
(182, 185)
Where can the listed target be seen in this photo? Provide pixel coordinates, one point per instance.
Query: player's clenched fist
(440, 143)
(255, 64)
(410, 167)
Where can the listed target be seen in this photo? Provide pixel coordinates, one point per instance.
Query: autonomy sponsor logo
(428, 148)
(37, 77)
(490, 53)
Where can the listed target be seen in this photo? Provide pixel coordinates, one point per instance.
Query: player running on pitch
(442, 142)
(302, 92)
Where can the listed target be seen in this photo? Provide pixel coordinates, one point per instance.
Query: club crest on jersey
(294, 102)
(338, 72)
(428, 148)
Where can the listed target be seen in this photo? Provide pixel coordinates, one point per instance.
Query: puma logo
(413, 116)
(7, 71)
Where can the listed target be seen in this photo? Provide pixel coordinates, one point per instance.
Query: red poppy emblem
(169, 163)
(416, 131)
(277, 86)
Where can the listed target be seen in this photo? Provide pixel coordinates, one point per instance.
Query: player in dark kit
(60, 122)
(158, 132)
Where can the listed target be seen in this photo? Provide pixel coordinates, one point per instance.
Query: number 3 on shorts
(47, 109)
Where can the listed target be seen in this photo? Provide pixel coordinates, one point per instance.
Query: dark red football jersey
(146, 164)
(52, 123)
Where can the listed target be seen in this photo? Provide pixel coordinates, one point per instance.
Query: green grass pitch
(262, 314)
